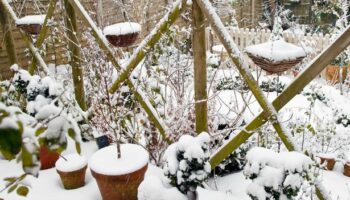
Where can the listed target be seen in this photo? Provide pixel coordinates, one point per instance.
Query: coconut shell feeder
(122, 34)
(31, 24)
(276, 56)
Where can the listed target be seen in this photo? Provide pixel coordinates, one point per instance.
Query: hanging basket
(31, 24)
(274, 67)
(276, 57)
(122, 34)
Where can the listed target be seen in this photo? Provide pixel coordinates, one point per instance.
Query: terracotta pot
(332, 73)
(47, 158)
(347, 169)
(330, 162)
(74, 179)
(121, 187)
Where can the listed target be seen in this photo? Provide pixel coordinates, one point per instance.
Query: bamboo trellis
(270, 110)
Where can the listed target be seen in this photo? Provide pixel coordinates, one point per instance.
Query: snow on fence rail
(244, 37)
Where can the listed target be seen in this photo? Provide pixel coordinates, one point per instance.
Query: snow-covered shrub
(187, 162)
(343, 119)
(235, 161)
(272, 86)
(52, 106)
(228, 83)
(276, 175)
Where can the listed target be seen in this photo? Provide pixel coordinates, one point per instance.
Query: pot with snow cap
(72, 170)
(47, 157)
(122, 34)
(328, 160)
(119, 178)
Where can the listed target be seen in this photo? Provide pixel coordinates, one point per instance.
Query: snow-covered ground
(233, 186)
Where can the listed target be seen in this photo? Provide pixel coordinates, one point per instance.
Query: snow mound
(72, 163)
(105, 161)
(122, 28)
(31, 19)
(153, 188)
(204, 194)
(276, 51)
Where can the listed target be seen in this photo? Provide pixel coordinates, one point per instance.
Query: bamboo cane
(75, 55)
(42, 35)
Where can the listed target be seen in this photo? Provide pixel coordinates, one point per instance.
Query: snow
(219, 49)
(290, 161)
(105, 161)
(276, 51)
(204, 194)
(154, 187)
(122, 28)
(70, 163)
(31, 19)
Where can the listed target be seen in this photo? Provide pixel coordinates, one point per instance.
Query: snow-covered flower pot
(333, 73)
(122, 34)
(347, 169)
(328, 159)
(47, 157)
(119, 178)
(31, 24)
(72, 169)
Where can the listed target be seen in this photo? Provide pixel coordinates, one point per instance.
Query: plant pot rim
(74, 162)
(71, 172)
(106, 162)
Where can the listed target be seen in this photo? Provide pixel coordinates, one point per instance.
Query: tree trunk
(75, 58)
(200, 68)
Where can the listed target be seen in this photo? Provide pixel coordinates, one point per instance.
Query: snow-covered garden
(165, 116)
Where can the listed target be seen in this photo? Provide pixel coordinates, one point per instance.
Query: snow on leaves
(187, 162)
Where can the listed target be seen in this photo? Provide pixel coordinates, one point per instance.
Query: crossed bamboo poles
(270, 110)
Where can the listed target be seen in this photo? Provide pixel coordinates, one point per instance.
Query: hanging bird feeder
(31, 24)
(276, 56)
(122, 34)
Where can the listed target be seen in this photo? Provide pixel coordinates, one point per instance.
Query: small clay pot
(120, 187)
(347, 169)
(74, 179)
(330, 162)
(47, 158)
(333, 72)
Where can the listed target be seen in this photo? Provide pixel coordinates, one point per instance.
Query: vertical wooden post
(7, 31)
(75, 62)
(200, 68)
